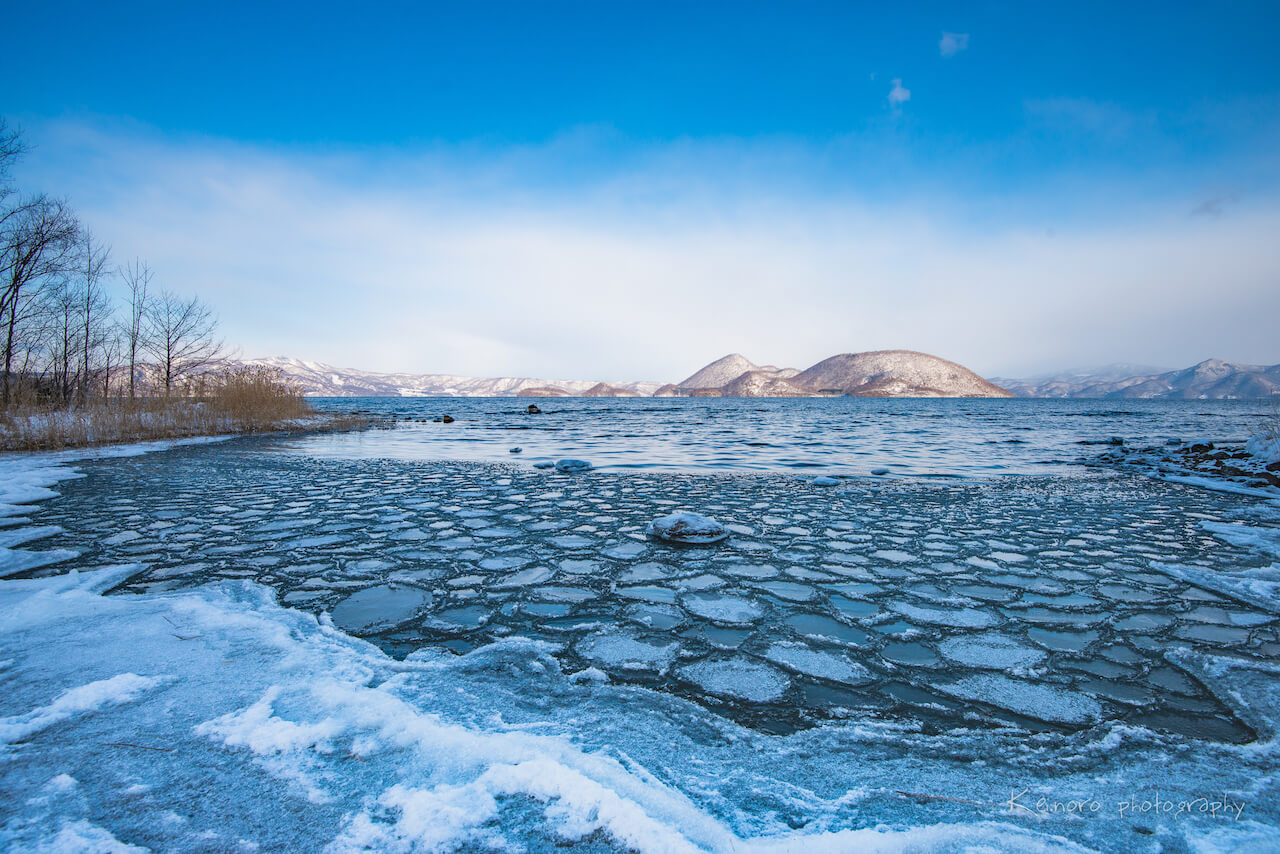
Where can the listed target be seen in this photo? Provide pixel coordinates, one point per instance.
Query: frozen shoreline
(500, 746)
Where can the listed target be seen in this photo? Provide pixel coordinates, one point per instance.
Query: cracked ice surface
(780, 691)
(892, 598)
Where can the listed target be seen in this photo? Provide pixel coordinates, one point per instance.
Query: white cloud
(446, 262)
(898, 95)
(952, 43)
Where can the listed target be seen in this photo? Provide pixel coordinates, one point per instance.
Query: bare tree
(11, 148)
(61, 308)
(36, 245)
(137, 277)
(94, 306)
(180, 336)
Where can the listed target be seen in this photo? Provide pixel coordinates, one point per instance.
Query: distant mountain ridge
(317, 379)
(1212, 379)
(881, 373)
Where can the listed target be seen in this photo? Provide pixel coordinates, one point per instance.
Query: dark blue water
(854, 436)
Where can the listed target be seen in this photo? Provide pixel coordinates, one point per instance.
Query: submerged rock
(687, 528)
(568, 465)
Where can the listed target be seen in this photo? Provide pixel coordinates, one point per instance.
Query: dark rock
(515, 450)
(1201, 447)
(533, 409)
(448, 419)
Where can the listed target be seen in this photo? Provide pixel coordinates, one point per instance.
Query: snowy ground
(1025, 663)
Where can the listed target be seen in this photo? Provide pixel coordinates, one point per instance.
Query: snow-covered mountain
(320, 380)
(882, 373)
(719, 372)
(1210, 379)
(896, 373)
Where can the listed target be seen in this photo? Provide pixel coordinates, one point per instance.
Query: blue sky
(626, 191)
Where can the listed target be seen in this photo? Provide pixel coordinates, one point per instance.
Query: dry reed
(242, 399)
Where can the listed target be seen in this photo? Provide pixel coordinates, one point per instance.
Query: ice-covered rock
(571, 465)
(687, 528)
(1265, 448)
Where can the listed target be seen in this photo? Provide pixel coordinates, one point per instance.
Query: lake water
(997, 609)
(836, 435)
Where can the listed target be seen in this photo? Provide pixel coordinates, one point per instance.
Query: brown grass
(236, 400)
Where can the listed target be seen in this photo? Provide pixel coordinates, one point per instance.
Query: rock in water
(533, 409)
(687, 528)
(572, 465)
(448, 419)
(515, 450)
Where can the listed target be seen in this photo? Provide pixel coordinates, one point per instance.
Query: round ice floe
(742, 680)
(464, 619)
(722, 609)
(1042, 702)
(615, 649)
(788, 590)
(625, 551)
(997, 652)
(661, 617)
(569, 465)
(964, 618)
(687, 528)
(524, 578)
(503, 563)
(820, 665)
(377, 609)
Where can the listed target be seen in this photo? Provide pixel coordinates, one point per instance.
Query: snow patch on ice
(124, 688)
